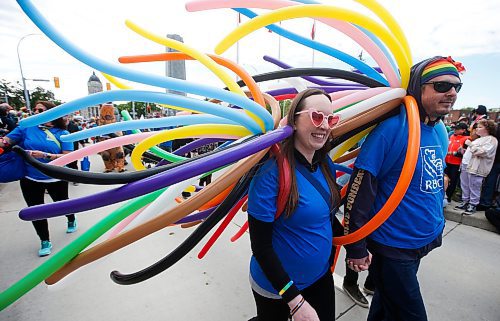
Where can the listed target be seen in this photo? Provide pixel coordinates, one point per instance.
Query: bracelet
(297, 307)
(286, 287)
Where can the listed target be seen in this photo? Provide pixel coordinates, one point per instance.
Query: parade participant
(290, 267)
(482, 153)
(113, 158)
(43, 142)
(416, 225)
(454, 157)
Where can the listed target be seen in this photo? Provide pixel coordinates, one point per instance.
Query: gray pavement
(459, 281)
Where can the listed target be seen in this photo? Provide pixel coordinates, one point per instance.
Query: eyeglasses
(444, 86)
(40, 110)
(317, 118)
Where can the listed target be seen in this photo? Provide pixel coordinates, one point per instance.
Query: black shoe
(471, 209)
(461, 206)
(481, 207)
(355, 294)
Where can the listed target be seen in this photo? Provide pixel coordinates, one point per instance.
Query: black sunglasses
(444, 86)
(40, 110)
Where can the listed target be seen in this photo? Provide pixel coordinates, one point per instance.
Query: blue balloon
(140, 77)
(342, 56)
(146, 123)
(141, 95)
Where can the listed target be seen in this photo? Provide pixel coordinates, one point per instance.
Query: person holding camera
(454, 157)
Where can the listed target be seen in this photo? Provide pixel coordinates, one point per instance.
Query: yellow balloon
(201, 57)
(390, 22)
(322, 11)
(183, 132)
(350, 142)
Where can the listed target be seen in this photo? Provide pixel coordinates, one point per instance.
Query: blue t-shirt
(34, 138)
(302, 242)
(419, 218)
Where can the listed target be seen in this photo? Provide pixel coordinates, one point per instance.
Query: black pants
(397, 296)
(351, 278)
(320, 295)
(453, 172)
(34, 192)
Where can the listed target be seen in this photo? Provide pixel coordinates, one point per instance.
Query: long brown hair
(288, 149)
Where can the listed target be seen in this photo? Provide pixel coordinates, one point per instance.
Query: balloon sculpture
(362, 98)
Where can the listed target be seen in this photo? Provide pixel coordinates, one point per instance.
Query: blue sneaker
(71, 227)
(45, 249)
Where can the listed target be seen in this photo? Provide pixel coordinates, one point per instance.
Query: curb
(477, 219)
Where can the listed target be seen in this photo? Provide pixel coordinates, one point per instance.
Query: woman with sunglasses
(290, 267)
(43, 142)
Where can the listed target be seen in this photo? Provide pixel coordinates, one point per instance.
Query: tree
(15, 94)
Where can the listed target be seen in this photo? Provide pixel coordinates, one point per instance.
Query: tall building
(175, 69)
(94, 85)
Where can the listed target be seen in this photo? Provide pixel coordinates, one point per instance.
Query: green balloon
(60, 258)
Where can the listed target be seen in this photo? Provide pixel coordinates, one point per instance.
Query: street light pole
(26, 95)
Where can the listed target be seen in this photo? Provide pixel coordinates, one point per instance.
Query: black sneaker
(355, 294)
(471, 209)
(461, 206)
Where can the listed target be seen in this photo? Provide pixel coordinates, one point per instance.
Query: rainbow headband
(443, 66)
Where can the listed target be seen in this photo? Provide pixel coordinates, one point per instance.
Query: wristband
(286, 287)
(297, 307)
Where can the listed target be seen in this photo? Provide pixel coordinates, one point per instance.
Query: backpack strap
(52, 137)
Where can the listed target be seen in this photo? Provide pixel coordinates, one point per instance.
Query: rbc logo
(431, 180)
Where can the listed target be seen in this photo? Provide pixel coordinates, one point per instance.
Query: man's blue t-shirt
(302, 242)
(34, 138)
(419, 218)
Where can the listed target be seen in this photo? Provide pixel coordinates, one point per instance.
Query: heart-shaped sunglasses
(318, 117)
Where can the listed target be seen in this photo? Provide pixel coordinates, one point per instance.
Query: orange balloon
(245, 77)
(217, 199)
(403, 181)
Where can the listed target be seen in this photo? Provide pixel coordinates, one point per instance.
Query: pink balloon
(357, 35)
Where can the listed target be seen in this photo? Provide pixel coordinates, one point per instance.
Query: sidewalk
(459, 281)
(477, 219)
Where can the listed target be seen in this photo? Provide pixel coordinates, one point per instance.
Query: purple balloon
(327, 89)
(158, 181)
(312, 79)
(196, 217)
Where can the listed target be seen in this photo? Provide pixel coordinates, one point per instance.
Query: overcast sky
(469, 31)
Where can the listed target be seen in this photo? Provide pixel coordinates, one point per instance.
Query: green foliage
(285, 106)
(15, 94)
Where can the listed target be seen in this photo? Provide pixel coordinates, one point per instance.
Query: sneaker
(471, 209)
(45, 248)
(462, 206)
(355, 294)
(71, 227)
(368, 290)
